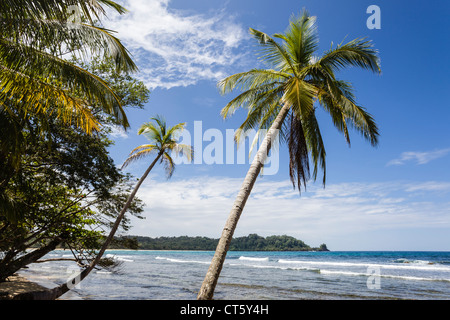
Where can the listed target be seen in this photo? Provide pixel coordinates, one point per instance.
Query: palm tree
(163, 141)
(37, 82)
(35, 79)
(283, 98)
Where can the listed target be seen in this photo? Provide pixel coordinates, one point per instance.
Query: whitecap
(259, 266)
(118, 258)
(419, 265)
(253, 258)
(349, 273)
(181, 261)
(404, 260)
(104, 272)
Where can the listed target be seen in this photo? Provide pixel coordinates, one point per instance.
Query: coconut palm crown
(163, 142)
(297, 80)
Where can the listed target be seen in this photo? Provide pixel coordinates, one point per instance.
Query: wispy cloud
(174, 48)
(200, 206)
(419, 157)
(117, 132)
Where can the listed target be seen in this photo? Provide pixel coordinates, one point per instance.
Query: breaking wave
(253, 258)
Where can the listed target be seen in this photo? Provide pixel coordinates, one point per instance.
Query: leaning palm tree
(282, 98)
(163, 142)
(35, 77)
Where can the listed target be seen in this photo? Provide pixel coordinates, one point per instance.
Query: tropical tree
(35, 77)
(66, 189)
(283, 98)
(163, 142)
(39, 81)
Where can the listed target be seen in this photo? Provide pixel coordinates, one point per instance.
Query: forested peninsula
(252, 242)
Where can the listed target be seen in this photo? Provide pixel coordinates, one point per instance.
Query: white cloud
(419, 157)
(200, 207)
(117, 132)
(176, 49)
(430, 186)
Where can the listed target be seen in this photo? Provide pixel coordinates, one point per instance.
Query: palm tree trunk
(60, 290)
(209, 283)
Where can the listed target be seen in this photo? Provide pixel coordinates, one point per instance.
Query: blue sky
(393, 197)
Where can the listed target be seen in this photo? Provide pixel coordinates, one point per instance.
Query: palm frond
(315, 144)
(162, 125)
(362, 121)
(252, 97)
(36, 96)
(151, 132)
(169, 165)
(139, 153)
(252, 79)
(31, 62)
(273, 53)
(299, 94)
(184, 150)
(32, 34)
(357, 53)
(111, 46)
(255, 83)
(341, 106)
(298, 153)
(173, 133)
(55, 35)
(57, 9)
(300, 39)
(336, 113)
(259, 119)
(261, 113)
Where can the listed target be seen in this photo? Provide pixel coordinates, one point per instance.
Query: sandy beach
(17, 285)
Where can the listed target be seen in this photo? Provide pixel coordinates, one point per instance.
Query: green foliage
(64, 185)
(298, 79)
(163, 140)
(68, 184)
(252, 242)
(35, 77)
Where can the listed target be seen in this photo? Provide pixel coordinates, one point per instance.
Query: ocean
(177, 275)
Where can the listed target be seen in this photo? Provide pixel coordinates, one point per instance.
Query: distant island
(252, 242)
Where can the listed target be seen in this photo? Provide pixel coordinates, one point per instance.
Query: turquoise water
(174, 275)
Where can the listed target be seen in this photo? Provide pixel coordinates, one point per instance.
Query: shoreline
(320, 276)
(18, 285)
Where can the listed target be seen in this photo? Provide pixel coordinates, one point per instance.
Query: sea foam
(180, 260)
(403, 277)
(418, 265)
(118, 258)
(253, 258)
